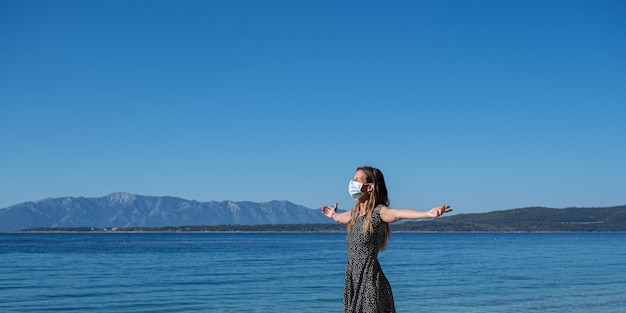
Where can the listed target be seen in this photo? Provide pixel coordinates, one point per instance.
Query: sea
(304, 272)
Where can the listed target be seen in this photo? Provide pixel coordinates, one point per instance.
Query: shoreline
(290, 231)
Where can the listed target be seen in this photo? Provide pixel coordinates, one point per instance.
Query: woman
(366, 288)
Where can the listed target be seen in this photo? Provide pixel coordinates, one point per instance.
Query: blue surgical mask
(355, 189)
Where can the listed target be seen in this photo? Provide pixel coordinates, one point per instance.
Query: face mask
(355, 189)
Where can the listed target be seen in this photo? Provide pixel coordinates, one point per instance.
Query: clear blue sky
(483, 105)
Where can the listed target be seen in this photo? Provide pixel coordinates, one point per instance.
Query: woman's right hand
(329, 211)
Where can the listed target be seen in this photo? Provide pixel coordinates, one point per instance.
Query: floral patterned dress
(366, 288)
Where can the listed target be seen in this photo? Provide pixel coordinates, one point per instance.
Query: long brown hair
(377, 197)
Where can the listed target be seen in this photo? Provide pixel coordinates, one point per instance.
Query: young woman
(366, 288)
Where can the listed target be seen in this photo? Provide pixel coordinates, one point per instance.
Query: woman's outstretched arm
(339, 217)
(390, 215)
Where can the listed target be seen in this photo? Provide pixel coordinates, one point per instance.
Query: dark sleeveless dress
(366, 288)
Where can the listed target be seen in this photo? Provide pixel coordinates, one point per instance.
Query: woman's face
(360, 177)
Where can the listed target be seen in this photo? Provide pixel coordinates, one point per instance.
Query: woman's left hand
(439, 211)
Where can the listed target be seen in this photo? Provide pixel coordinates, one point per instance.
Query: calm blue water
(304, 272)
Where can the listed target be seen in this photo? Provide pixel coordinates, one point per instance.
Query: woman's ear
(370, 188)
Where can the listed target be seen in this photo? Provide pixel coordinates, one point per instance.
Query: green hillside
(528, 219)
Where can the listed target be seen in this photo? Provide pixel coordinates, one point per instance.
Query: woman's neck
(363, 207)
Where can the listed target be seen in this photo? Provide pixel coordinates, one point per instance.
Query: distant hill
(533, 219)
(123, 210)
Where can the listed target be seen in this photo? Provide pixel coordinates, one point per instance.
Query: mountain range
(122, 210)
(129, 211)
